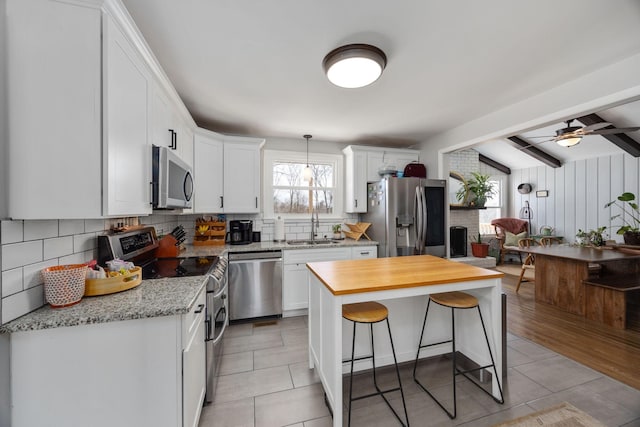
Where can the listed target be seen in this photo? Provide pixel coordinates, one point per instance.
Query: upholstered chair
(508, 232)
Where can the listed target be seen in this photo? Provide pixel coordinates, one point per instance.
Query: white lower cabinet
(133, 373)
(295, 287)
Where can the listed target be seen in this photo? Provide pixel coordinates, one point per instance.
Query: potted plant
(481, 188)
(581, 237)
(597, 236)
(630, 229)
(478, 248)
(337, 231)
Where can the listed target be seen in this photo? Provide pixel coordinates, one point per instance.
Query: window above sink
(288, 196)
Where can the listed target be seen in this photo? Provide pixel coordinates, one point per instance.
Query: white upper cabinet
(54, 110)
(126, 151)
(355, 180)
(226, 173)
(208, 172)
(81, 86)
(167, 128)
(242, 174)
(362, 164)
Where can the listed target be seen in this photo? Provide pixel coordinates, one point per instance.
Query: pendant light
(354, 65)
(306, 173)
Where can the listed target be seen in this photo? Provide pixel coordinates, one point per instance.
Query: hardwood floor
(613, 352)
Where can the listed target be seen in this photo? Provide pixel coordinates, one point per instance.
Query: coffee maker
(240, 232)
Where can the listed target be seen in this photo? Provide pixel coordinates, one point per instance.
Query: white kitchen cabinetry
(355, 181)
(79, 86)
(125, 373)
(53, 62)
(193, 363)
(295, 288)
(227, 173)
(362, 164)
(126, 151)
(166, 127)
(242, 174)
(363, 252)
(208, 166)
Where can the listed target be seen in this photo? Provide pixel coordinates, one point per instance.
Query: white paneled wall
(578, 192)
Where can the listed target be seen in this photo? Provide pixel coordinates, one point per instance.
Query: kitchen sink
(311, 242)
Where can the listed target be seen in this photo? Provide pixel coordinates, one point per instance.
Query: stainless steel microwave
(172, 180)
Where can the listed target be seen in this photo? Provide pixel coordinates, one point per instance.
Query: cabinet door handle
(200, 308)
(175, 140)
(364, 253)
(356, 203)
(151, 198)
(221, 201)
(173, 135)
(256, 202)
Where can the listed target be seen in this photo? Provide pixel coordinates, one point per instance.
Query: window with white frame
(494, 205)
(288, 195)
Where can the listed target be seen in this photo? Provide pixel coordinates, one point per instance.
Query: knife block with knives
(171, 244)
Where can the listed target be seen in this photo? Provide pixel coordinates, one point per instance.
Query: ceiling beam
(535, 152)
(487, 161)
(622, 140)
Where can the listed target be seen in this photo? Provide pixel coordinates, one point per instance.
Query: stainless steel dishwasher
(255, 284)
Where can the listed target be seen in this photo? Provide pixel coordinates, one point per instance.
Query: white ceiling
(255, 67)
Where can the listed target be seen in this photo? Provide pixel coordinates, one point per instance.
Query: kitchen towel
(278, 232)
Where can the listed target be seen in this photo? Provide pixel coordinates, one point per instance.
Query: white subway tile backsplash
(11, 281)
(21, 303)
(19, 254)
(94, 225)
(11, 231)
(40, 229)
(32, 273)
(79, 258)
(84, 242)
(58, 247)
(71, 226)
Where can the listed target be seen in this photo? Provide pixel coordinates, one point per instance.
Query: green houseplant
(478, 248)
(481, 188)
(630, 214)
(337, 230)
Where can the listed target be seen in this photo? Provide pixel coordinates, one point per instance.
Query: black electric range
(139, 246)
(178, 267)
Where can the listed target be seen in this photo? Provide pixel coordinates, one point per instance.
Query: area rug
(563, 415)
(514, 270)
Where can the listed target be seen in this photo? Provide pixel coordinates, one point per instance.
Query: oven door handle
(218, 281)
(220, 292)
(217, 339)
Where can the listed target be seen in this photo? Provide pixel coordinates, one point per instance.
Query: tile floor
(265, 382)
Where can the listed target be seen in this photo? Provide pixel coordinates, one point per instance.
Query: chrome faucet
(315, 223)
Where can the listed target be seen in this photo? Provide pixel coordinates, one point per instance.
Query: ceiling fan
(572, 135)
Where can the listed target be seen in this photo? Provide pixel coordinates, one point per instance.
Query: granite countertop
(152, 298)
(191, 250)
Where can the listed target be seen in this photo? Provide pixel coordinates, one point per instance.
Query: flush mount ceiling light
(354, 65)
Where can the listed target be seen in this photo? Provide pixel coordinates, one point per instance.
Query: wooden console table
(561, 269)
(608, 299)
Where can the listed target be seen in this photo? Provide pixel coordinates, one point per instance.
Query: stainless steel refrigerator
(407, 216)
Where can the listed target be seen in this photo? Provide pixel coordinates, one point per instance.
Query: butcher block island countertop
(403, 285)
(378, 274)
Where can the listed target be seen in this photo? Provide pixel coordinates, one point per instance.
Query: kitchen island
(403, 285)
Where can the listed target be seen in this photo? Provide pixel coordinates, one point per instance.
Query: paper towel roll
(278, 232)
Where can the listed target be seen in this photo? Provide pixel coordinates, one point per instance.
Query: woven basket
(64, 284)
